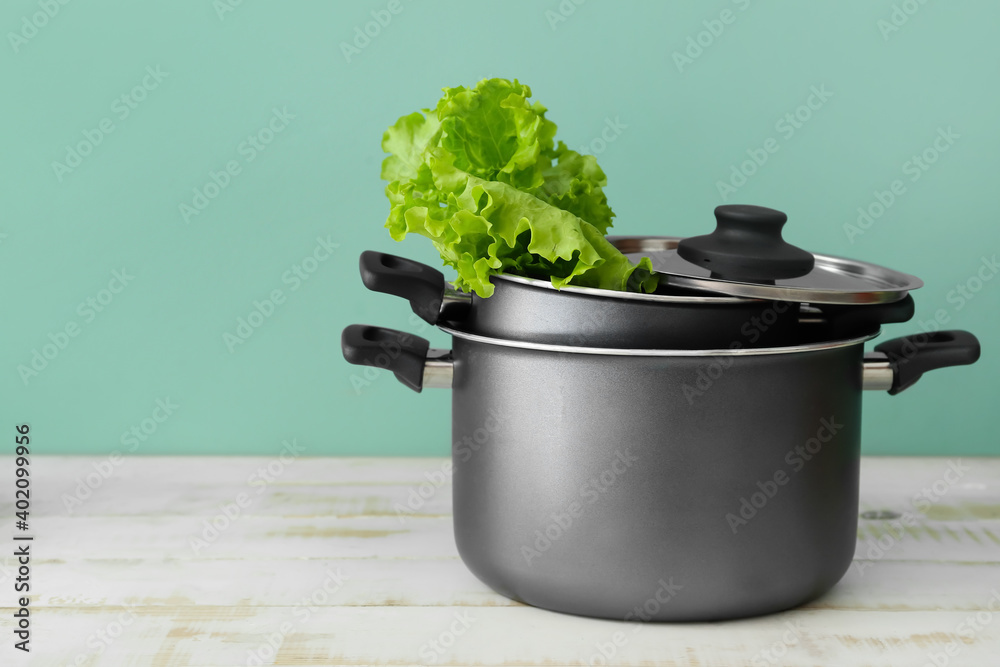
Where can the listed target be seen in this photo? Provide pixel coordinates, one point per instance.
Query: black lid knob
(746, 246)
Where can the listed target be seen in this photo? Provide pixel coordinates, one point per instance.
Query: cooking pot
(848, 297)
(608, 473)
(669, 485)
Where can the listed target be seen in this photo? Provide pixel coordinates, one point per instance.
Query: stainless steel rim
(791, 293)
(888, 285)
(614, 294)
(627, 352)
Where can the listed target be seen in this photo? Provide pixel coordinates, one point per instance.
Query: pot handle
(409, 357)
(897, 364)
(424, 287)
(848, 321)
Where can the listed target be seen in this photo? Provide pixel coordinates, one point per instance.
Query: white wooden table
(319, 568)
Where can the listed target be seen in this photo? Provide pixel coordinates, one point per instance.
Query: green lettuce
(482, 177)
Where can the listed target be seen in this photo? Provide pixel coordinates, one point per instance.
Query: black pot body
(535, 312)
(668, 488)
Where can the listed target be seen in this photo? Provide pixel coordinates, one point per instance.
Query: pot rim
(634, 296)
(630, 352)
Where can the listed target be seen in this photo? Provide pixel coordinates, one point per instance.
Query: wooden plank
(193, 636)
(893, 585)
(884, 480)
(387, 536)
(280, 582)
(887, 473)
(247, 536)
(235, 469)
(347, 487)
(173, 485)
(266, 537)
(124, 497)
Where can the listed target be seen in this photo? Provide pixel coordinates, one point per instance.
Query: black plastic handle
(912, 356)
(747, 246)
(857, 320)
(421, 285)
(402, 353)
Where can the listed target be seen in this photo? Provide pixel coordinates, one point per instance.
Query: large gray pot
(675, 485)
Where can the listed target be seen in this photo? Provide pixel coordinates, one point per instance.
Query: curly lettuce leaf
(575, 184)
(482, 177)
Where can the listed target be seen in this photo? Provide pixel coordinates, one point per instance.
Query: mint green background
(162, 336)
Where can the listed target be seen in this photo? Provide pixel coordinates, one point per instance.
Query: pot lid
(746, 256)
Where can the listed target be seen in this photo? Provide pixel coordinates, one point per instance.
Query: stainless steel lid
(746, 257)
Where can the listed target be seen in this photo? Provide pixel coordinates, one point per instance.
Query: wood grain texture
(322, 567)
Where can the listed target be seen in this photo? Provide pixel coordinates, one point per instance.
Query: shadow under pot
(666, 485)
